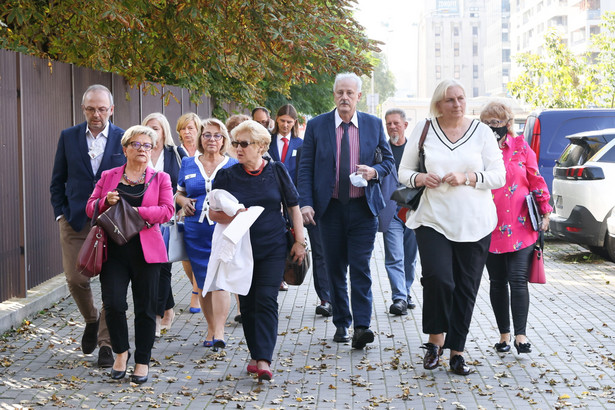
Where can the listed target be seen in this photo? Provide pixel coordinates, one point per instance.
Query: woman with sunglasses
(196, 177)
(256, 181)
(138, 261)
(512, 241)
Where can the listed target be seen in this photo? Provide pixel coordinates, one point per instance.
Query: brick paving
(571, 328)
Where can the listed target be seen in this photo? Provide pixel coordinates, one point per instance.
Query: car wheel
(609, 246)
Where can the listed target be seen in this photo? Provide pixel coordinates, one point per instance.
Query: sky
(394, 22)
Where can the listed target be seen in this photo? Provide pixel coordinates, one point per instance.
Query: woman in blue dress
(253, 182)
(196, 177)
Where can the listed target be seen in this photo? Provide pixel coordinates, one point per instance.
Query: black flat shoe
(361, 337)
(120, 374)
(458, 365)
(502, 347)
(523, 347)
(431, 360)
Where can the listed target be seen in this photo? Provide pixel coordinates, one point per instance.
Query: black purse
(294, 272)
(411, 197)
(121, 221)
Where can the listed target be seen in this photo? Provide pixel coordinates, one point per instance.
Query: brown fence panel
(46, 111)
(127, 111)
(12, 281)
(82, 79)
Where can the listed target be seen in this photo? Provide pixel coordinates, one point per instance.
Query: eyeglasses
(244, 144)
(495, 123)
(101, 110)
(137, 145)
(215, 137)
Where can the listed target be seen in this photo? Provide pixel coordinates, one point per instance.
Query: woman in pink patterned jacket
(512, 242)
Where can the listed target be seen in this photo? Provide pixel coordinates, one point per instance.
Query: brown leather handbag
(93, 252)
(121, 221)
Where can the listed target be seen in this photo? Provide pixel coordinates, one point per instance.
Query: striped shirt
(353, 134)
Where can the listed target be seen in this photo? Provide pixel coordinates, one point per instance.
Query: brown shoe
(432, 356)
(105, 357)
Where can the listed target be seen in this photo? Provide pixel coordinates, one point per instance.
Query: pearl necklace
(138, 181)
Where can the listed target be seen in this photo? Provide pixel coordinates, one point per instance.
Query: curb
(15, 310)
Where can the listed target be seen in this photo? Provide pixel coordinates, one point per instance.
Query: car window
(608, 156)
(578, 152)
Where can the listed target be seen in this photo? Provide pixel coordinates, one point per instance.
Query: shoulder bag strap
(144, 188)
(177, 156)
(421, 150)
(276, 166)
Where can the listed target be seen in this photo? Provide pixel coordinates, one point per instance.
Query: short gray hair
(97, 87)
(348, 76)
(138, 130)
(440, 92)
(398, 111)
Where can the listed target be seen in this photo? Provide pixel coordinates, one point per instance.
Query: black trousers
(165, 293)
(259, 308)
(510, 269)
(451, 275)
(126, 265)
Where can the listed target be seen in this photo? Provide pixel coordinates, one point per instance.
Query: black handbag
(294, 272)
(121, 221)
(411, 197)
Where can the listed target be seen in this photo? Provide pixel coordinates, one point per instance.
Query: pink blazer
(156, 208)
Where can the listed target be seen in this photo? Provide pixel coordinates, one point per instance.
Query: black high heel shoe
(139, 379)
(502, 347)
(120, 374)
(523, 347)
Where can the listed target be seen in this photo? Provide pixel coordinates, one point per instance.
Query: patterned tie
(344, 180)
(285, 148)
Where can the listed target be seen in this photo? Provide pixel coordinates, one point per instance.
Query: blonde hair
(164, 123)
(184, 120)
(259, 134)
(225, 140)
(499, 110)
(138, 130)
(440, 93)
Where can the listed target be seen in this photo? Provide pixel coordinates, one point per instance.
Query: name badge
(294, 153)
(95, 152)
(190, 176)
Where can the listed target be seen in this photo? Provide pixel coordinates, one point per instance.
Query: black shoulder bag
(410, 197)
(294, 272)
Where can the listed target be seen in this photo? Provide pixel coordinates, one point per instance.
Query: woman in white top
(165, 157)
(454, 219)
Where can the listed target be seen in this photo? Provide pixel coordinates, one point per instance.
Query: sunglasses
(243, 144)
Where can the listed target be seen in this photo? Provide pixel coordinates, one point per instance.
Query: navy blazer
(72, 179)
(317, 168)
(171, 165)
(291, 160)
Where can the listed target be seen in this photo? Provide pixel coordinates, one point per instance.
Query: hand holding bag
(411, 197)
(93, 252)
(121, 221)
(537, 266)
(294, 272)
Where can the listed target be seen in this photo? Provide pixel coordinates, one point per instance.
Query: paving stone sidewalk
(571, 327)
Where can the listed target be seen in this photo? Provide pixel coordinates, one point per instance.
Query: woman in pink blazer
(138, 261)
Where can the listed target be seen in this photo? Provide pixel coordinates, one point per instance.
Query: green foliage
(559, 79)
(311, 99)
(231, 50)
(384, 83)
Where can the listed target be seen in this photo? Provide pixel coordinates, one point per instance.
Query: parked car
(584, 177)
(546, 131)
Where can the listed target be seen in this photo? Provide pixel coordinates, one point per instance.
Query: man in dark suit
(84, 152)
(337, 144)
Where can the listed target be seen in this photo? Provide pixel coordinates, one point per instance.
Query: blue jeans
(400, 258)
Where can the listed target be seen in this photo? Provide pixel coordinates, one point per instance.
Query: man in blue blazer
(337, 144)
(84, 152)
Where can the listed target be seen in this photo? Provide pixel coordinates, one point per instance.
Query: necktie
(284, 149)
(344, 172)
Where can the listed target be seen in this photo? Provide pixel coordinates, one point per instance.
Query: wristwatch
(467, 179)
